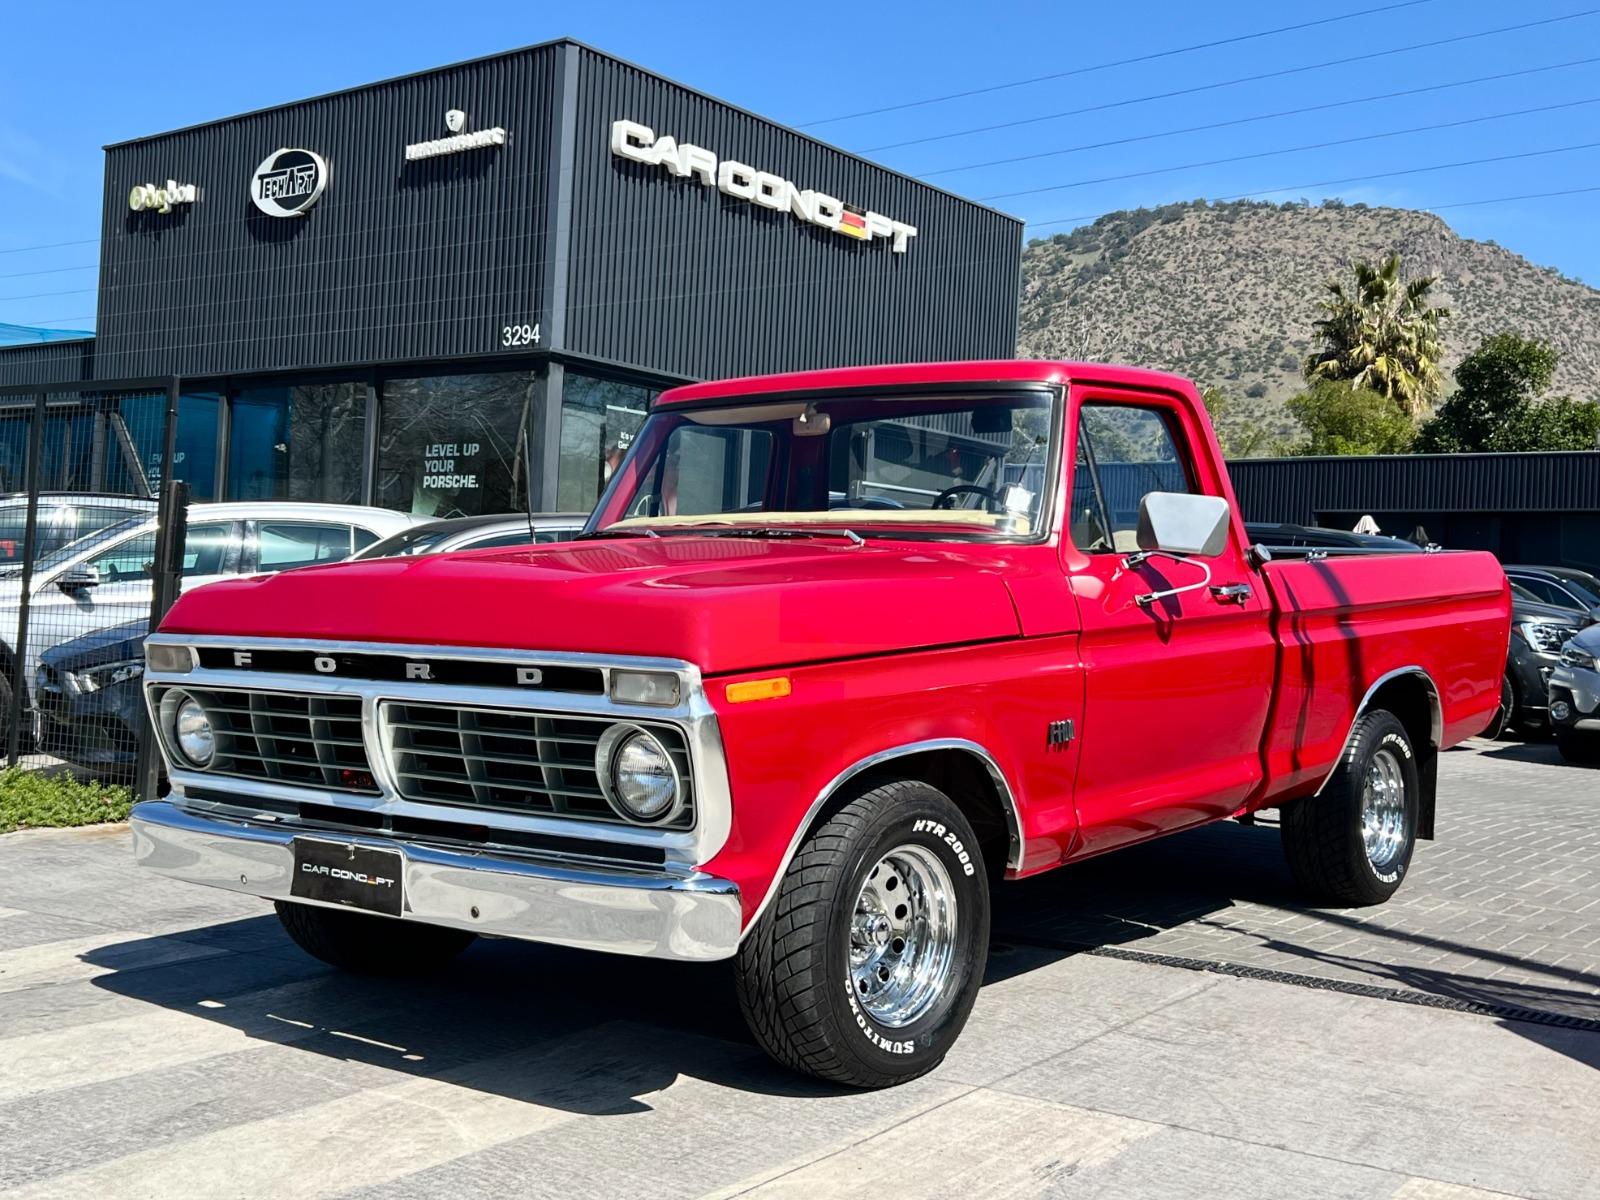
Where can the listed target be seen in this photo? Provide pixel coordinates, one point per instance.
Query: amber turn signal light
(774, 688)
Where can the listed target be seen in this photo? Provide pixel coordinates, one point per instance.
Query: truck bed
(1345, 622)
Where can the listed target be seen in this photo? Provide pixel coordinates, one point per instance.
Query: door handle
(1231, 593)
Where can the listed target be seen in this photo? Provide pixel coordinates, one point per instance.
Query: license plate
(355, 876)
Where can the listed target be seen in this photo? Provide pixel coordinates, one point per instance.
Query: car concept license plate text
(355, 876)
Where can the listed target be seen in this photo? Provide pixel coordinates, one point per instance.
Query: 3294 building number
(519, 335)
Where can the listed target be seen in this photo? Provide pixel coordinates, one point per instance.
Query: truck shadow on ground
(582, 1032)
(1217, 879)
(594, 1034)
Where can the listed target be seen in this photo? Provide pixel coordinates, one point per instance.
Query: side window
(1544, 590)
(1131, 452)
(363, 539)
(205, 549)
(1569, 597)
(300, 544)
(130, 559)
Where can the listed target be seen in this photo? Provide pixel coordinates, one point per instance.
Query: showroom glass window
(452, 445)
(104, 443)
(599, 418)
(300, 442)
(144, 418)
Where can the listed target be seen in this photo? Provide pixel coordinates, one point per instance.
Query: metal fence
(92, 535)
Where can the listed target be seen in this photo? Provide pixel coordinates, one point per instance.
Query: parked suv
(1575, 698)
(1564, 587)
(105, 580)
(1538, 632)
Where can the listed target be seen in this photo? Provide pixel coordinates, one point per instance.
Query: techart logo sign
(288, 182)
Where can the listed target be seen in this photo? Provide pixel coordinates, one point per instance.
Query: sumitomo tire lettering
(873, 1036)
(684, 160)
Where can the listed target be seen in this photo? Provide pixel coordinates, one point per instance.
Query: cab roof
(904, 375)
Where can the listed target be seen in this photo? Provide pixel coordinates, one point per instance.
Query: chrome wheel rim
(902, 936)
(1383, 811)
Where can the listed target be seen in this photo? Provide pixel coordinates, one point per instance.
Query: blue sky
(76, 76)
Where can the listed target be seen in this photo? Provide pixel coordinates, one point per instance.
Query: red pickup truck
(837, 652)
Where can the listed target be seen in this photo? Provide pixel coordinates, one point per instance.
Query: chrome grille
(510, 760)
(288, 738)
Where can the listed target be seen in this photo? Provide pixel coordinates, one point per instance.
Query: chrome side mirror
(1176, 523)
(1184, 528)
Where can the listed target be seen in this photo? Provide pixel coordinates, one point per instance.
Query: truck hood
(726, 604)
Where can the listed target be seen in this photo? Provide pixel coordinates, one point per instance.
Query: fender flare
(1008, 802)
(1435, 709)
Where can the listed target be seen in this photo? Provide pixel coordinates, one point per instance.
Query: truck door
(1176, 691)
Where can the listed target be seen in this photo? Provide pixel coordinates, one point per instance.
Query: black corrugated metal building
(67, 360)
(457, 291)
(1526, 508)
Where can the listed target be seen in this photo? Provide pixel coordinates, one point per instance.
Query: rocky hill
(1226, 293)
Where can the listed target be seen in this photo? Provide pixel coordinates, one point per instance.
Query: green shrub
(37, 800)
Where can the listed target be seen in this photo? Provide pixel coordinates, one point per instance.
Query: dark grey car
(1538, 631)
(1564, 587)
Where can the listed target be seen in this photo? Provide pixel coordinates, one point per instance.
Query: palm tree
(1383, 335)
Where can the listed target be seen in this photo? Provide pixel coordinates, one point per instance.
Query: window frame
(779, 483)
(1178, 431)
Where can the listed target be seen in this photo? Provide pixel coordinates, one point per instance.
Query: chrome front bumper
(693, 917)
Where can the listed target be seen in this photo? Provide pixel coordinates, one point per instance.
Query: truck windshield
(975, 467)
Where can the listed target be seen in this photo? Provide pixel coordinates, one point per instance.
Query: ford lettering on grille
(554, 677)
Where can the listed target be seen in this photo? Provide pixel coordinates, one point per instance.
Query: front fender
(789, 756)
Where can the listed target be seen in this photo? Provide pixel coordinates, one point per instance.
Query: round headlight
(192, 730)
(638, 775)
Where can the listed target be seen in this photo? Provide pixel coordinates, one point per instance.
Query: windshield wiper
(617, 533)
(775, 531)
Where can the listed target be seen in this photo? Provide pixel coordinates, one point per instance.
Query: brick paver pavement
(1502, 908)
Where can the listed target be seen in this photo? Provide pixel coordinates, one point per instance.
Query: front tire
(1352, 843)
(866, 963)
(1580, 748)
(369, 944)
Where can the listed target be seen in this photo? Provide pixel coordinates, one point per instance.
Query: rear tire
(1580, 748)
(1352, 843)
(370, 944)
(867, 961)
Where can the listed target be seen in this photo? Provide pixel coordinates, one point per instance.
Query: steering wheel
(946, 498)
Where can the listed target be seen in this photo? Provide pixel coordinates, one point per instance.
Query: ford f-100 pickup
(837, 652)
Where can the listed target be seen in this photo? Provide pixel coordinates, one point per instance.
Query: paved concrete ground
(159, 1040)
